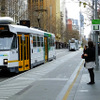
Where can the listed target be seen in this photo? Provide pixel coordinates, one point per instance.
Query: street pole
(96, 40)
(93, 18)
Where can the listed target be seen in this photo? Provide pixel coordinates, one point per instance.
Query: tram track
(47, 74)
(4, 75)
(63, 52)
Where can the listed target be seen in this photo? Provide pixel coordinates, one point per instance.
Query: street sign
(96, 21)
(96, 24)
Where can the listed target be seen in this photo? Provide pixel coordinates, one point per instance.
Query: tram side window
(14, 42)
(41, 41)
(38, 41)
(53, 44)
(34, 41)
(50, 42)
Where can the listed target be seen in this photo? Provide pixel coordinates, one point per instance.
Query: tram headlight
(5, 61)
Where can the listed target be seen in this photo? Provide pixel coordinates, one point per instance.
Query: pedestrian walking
(89, 57)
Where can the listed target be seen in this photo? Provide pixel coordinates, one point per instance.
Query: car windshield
(7, 41)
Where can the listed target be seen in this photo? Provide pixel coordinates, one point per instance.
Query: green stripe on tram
(46, 34)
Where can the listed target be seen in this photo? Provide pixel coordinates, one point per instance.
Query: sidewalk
(82, 91)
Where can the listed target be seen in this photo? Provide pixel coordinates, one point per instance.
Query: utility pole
(96, 39)
(93, 18)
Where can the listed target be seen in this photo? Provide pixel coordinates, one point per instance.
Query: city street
(45, 82)
(41, 47)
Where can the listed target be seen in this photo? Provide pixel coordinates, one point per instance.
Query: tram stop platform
(83, 91)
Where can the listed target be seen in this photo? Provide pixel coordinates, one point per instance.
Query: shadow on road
(7, 74)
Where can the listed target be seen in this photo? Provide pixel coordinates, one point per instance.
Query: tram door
(24, 58)
(46, 48)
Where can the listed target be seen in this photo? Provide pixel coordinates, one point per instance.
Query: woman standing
(90, 61)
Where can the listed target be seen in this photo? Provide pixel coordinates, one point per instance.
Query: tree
(71, 34)
(90, 8)
(17, 9)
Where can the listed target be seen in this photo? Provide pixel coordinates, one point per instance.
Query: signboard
(96, 25)
(96, 21)
(25, 23)
(4, 28)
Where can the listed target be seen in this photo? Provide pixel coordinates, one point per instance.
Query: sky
(73, 10)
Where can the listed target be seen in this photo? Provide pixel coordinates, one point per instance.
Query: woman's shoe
(90, 83)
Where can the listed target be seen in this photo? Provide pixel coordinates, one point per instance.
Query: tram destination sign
(96, 25)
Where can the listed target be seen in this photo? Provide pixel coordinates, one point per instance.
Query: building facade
(69, 24)
(45, 14)
(63, 18)
(72, 24)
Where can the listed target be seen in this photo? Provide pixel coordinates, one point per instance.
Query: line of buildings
(49, 15)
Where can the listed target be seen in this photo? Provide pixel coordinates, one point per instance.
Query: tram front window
(7, 41)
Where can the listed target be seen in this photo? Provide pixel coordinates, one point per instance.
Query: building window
(2, 8)
(36, 0)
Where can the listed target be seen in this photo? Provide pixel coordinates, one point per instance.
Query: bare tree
(17, 9)
(71, 34)
(3, 9)
(89, 5)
